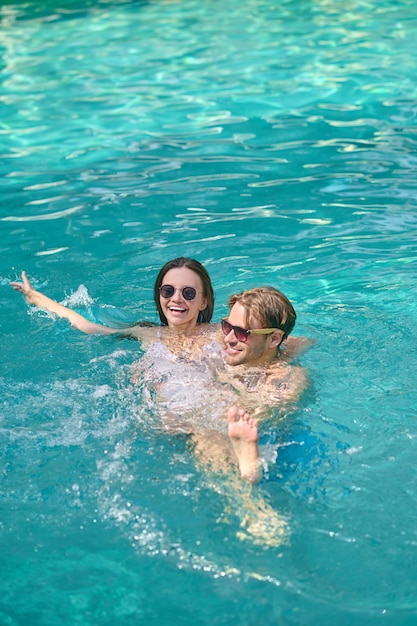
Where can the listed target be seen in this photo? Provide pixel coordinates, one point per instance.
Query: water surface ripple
(276, 143)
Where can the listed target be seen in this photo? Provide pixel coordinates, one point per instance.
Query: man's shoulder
(279, 367)
(285, 381)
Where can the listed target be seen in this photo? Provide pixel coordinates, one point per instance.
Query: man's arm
(295, 346)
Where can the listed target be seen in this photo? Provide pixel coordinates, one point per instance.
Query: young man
(259, 322)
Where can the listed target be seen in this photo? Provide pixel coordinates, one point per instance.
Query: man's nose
(231, 337)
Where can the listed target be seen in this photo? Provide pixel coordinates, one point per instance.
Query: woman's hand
(25, 288)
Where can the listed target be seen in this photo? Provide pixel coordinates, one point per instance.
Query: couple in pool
(253, 363)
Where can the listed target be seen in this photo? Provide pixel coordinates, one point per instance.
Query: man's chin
(233, 359)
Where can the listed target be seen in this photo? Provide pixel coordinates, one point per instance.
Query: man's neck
(264, 361)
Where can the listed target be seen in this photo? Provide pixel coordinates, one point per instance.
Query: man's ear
(276, 339)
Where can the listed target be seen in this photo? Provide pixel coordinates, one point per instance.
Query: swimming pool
(276, 143)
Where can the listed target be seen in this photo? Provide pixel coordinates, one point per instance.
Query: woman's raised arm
(41, 301)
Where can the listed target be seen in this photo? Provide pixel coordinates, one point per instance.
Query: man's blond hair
(268, 306)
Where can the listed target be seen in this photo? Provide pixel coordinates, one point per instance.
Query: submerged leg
(213, 451)
(243, 433)
(218, 455)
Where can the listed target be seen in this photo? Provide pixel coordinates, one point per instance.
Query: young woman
(183, 296)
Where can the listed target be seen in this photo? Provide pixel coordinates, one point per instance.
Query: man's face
(258, 349)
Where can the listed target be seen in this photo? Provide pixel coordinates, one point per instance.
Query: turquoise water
(276, 143)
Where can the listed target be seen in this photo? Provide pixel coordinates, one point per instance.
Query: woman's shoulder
(142, 331)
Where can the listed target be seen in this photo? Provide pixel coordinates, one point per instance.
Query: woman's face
(181, 313)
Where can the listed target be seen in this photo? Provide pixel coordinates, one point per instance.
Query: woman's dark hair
(195, 266)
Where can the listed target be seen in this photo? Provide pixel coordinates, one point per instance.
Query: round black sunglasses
(188, 293)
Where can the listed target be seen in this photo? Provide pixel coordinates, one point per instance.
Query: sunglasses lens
(167, 291)
(189, 293)
(226, 327)
(240, 333)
